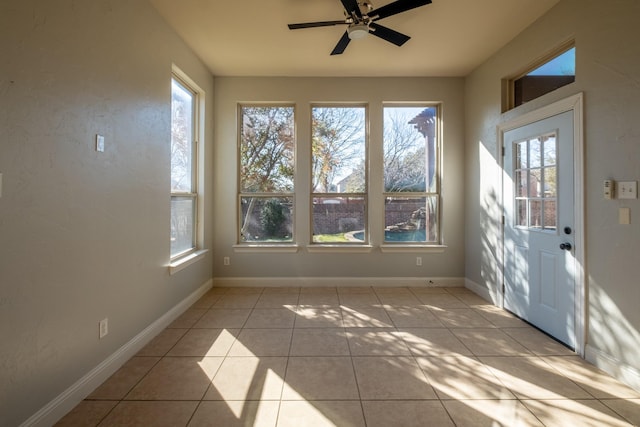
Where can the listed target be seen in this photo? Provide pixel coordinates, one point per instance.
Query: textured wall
(83, 235)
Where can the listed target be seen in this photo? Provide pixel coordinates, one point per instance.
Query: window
(267, 167)
(184, 195)
(339, 174)
(536, 189)
(411, 187)
(551, 74)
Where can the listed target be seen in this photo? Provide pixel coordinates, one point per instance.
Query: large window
(267, 167)
(411, 187)
(184, 195)
(339, 174)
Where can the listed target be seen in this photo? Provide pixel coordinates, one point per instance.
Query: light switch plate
(100, 143)
(628, 189)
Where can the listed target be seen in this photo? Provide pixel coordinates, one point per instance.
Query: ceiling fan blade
(315, 24)
(396, 7)
(351, 7)
(342, 44)
(388, 34)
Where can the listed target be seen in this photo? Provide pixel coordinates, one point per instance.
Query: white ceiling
(251, 38)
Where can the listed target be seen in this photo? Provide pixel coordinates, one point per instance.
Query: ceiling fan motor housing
(358, 31)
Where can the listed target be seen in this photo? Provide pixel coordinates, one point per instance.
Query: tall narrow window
(184, 195)
(267, 167)
(411, 186)
(339, 174)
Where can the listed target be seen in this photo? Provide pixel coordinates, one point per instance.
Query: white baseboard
(338, 281)
(624, 372)
(68, 399)
(488, 294)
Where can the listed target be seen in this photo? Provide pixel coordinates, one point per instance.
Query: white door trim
(575, 104)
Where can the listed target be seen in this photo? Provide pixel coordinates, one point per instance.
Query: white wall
(304, 91)
(84, 235)
(608, 72)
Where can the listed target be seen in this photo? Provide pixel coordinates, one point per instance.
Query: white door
(539, 244)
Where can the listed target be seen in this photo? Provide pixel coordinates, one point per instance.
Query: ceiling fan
(361, 17)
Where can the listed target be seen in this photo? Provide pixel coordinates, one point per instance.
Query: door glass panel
(522, 187)
(550, 150)
(535, 183)
(535, 214)
(550, 187)
(550, 214)
(521, 213)
(534, 153)
(521, 155)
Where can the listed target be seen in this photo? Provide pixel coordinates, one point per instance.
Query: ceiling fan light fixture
(358, 31)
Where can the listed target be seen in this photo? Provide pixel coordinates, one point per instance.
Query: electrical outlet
(419, 260)
(226, 260)
(103, 326)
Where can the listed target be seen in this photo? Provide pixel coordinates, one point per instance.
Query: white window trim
(188, 258)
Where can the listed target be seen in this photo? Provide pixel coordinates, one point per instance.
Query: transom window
(536, 183)
(339, 174)
(411, 195)
(267, 167)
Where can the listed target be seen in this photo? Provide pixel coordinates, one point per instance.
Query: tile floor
(354, 357)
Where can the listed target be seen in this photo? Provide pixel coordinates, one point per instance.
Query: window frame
(364, 195)
(437, 190)
(240, 242)
(181, 259)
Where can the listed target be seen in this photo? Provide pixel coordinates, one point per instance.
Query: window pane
(550, 150)
(535, 213)
(534, 153)
(521, 213)
(550, 214)
(182, 224)
(550, 182)
(522, 184)
(553, 74)
(339, 219)
(266, 219)
(338, 144)
(521, 155)
(411, 219)
(182, 137)
(267, 145)
(410, 156)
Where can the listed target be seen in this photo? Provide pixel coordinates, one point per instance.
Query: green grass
(330, 238)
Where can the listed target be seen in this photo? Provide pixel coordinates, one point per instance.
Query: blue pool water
(398, 236)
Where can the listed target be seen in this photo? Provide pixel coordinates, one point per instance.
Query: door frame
(575, 104)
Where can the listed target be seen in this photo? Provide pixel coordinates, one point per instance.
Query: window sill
(316, 248)
(433, 249)
(185, 261)
(286, 248)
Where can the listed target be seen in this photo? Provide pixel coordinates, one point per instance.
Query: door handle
(565, 246)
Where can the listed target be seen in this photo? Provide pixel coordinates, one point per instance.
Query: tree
(404, 153)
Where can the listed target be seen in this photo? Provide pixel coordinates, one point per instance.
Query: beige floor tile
(323, 413)
(224, 318)
(413, 317)
(355, 290)
(537, 342)
(376, 342)
(462, 318)
(597, 382)
(248, 378)
(473, 300)
(387, 378)
(87, 414)
(124, 379)
(150, 414)
(441, 301)
(490, 413)
(359, 299)
(319, 299)
(402, 297)
(365, 317)
(205, 342)
(627, 408)
(433, 342)
(276, 300)
(262, 342)
(271, 318)
(248, 300)
(567, 412)
(428, 290)
(319, 342)
(162, 343)
(499, 317)
(318, 317)
(207, 300)
(462, 378)
(308, 290)
(490, 342)
(235, 414)
(177, 378)
(532, 378)
(320, 378)
(188, 318)
(418, 413)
